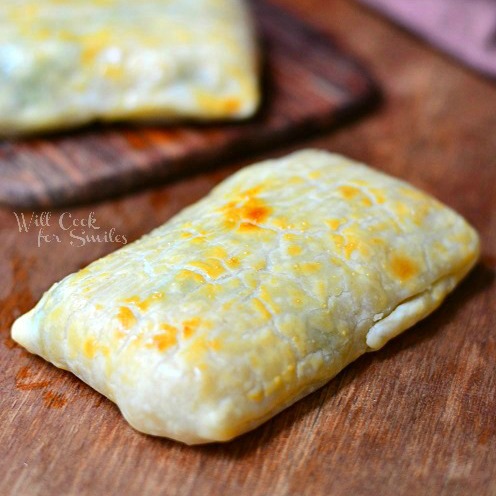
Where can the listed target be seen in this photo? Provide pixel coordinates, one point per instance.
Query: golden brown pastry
(68, 62)
(253, 297)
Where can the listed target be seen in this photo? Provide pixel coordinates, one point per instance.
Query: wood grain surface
(416, 418)
(309, 84)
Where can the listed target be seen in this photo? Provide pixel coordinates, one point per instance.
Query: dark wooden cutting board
(309, 84)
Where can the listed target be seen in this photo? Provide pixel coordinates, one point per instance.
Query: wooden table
(418, 417)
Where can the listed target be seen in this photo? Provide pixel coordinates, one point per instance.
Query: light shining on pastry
(69, 62)
(253, 297)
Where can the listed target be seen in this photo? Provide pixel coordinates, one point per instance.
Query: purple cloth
(464, 28)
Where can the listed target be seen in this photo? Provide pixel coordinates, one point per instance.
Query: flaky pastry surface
(254, 296)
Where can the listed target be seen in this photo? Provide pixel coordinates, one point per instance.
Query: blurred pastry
(65, 63)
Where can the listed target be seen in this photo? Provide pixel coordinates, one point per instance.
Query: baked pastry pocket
(68, 63)
(254, 296)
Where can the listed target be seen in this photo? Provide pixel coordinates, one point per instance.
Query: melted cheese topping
(254, 296)
(66, 62)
